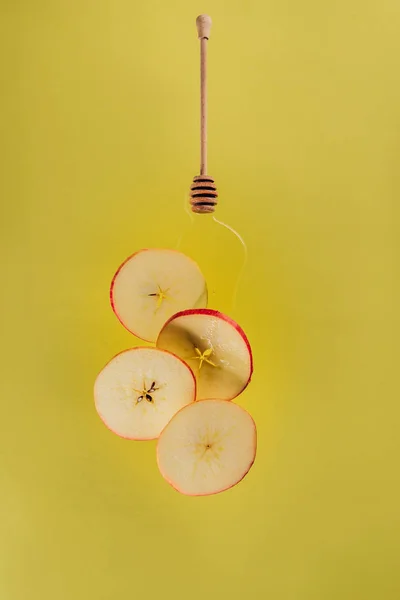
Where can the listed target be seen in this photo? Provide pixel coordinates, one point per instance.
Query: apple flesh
(152, 285)
(207, 447)
(139, 390)
(216, 349)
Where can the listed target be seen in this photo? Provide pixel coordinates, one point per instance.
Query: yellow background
(99, 143)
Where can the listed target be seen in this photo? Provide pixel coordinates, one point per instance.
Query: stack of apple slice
(179, 391)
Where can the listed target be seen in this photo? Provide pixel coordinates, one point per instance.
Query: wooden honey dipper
(218, 249)
(203, 192)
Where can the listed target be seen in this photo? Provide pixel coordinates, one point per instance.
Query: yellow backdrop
(99, 143)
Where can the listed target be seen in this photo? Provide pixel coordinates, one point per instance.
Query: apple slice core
(139, 390)
(152, 285)
(207, 447)
(216, 349)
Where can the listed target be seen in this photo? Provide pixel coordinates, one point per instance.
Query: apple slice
(216, 349)
(207, 447)
(139, 390)
(152, 285)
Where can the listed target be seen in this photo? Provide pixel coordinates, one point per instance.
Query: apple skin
(117, 273)
(144, 439)
(229, 487)
(215, 313)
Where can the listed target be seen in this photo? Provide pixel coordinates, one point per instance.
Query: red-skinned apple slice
(207, 447)
(216, 349)
(139, 390)
(152, 285)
